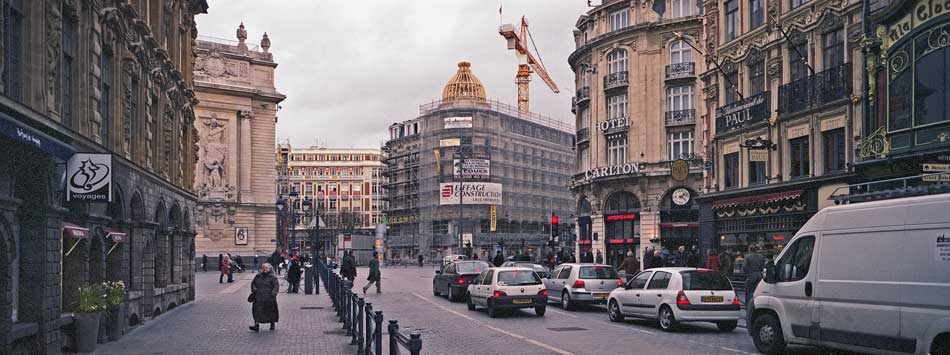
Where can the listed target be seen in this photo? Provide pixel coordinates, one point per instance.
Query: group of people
(348, 271)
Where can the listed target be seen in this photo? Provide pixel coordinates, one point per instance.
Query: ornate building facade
(781, 82)
(94, 76)
(236, 121)
(640, 126)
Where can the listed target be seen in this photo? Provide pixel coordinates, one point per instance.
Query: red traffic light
(554, 219)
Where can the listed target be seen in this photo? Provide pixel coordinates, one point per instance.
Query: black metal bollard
(415, 344)
(393, 341)
(378, 334)
(367, 329)
(356, 325)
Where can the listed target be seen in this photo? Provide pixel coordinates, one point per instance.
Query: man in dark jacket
(293, 275)
(752, 267)
(600, 258)
(348, 267)
(275, 260)
(657, 259)
(374, 274)
(204, 262)
(647, 258)
(264, 291)
(692, 257)
(630, 265)
(498, 260)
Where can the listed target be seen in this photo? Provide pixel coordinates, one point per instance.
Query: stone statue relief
(213, 158)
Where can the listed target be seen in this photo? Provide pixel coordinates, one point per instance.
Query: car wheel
(767, 335)
(451, 295)
(566, 303)
(941, 345)
(613, 311)
(468, 300)
(667, 320)
(727, 326)
(539, 310)
(492, 312)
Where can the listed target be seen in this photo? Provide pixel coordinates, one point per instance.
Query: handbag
(250, 298)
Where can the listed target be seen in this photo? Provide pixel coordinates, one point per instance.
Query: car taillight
(619, 283)
(543, 293)
(460, 281)
(735, 301)
(499, 294)
(681, 298)
(578, 284)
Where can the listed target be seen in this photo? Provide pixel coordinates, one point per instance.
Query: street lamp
(281, 205)
(305, 207)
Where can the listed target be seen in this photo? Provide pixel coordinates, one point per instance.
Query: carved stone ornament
(214, 219)
(755, 55)
(212, 158)
(245, 114)
(775, 68)
(830, 22)
(215, 66)
(54, 41)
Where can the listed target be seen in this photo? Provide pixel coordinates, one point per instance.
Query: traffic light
(554, 227)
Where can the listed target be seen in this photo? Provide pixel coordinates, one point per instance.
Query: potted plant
(91, 303)
(114, 294)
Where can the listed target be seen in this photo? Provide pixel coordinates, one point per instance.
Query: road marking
(633, 329)
(735, 350)
(499, 330)
(562, 313)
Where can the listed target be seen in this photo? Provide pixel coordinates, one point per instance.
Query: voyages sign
(472, 193)
(89, 177)
(743, 113)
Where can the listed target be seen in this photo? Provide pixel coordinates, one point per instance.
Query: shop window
(799, 157)
(730, 93)
(757, 77)
(756, 13)
(730, 170)
(732, 19)
(619, 19)
(14, 32)
(832, 50)
(834, 150)
(757, 173)
(680, 144)
(797, 62)
(796, 261)
(931, 73)
(617, 150)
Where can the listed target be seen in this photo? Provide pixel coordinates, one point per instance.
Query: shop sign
(924, 11)
(758, 155)
(622, 217)
(622, 169)
(470, 193)
(614, 123)
(89, 177)
(679, 170)
(457, 122)
(742, 113)
(493, 217)
(477, 167)
(450, 142)
(25, 134)
(403, 219)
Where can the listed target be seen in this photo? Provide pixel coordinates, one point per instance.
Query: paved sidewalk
(216, 323)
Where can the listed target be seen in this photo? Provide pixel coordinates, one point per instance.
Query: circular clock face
(681, 196)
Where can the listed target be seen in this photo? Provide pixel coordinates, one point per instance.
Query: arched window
(622, 202)
(680, 52)
(917, 73)
(622, 226)
(617, 61)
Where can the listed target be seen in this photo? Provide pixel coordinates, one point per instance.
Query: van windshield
(705, 280)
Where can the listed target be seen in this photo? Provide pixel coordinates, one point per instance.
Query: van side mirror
(437, 272)
(769, 276)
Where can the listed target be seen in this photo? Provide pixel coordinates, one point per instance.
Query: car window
(488, 277)
(705, 280)
(660, 281)
(565, 273)
(796, 261)
(448, 269)
(470, 267)
(518, 278)
(597, 272)
(479, 278)
(640, 280)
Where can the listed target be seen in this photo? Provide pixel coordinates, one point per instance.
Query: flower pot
(116, 322)
(87, 331)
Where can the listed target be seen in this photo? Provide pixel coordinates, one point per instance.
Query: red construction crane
(526, 61)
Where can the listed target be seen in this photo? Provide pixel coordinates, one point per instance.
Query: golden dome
(464, 85)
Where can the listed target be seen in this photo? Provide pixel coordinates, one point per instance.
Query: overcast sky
(352, 68)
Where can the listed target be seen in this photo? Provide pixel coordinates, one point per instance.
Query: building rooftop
(464, 85)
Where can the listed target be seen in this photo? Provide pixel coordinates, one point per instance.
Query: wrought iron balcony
(583, 95)
(583, 135)
(615, 80)
(680, 117)
(819, 89)
(680, 70)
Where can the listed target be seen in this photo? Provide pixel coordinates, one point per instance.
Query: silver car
(574, 284)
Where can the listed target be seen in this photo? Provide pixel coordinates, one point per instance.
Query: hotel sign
(614, 124)
(742, 113)
(622, 169)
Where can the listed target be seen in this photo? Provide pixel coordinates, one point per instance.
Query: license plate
(711, 298)
(522, 301)
(601, 295)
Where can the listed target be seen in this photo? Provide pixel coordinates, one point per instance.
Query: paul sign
(742, 113)
(89, 177)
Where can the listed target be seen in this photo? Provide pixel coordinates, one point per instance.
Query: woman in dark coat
(264, 291)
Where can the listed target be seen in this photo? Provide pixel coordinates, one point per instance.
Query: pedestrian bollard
(365, 330)
(415, 343)
(344, 305)
(393, 342)
(308, 280)
(378, 334)
(356, 322)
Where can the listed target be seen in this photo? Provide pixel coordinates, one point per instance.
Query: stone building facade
(236, 121)
(523, 161)
(786, 117)
(94, 76)
(640, 127)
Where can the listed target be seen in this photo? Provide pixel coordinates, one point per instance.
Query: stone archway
(135, 238)
(117, 253)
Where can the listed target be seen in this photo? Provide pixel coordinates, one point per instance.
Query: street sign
(493, 213)
(936, 168)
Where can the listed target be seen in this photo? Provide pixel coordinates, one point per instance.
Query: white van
(872, 277)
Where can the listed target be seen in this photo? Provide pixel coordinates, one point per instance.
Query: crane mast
(527, 63)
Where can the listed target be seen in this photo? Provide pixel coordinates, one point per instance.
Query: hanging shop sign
(621, 217)
(403, 219)
(89, 177)
(457, 122)
(475, 167)
(923, 12)
(622, 169)
(679, 170)
(614, 124)
(470, 193)
(743, 113)
(758, 155)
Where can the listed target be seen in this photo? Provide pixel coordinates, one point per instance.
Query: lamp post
(281, 205)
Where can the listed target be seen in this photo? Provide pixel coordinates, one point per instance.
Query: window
(660, 281)
(832, 49)
(699, 280)
(732, 19)
(756, 13)
(930, 89)
(757, 173)
(679, 98)
(681, 8)
(731, 170)
(134, 119)
(619, 19)
(798, 150)
(797, 61)
(105, 103)
(680, 144)
(488, 277)
(730, 87)
(617, 61)
(584, 119)
(640, 280)
(757, 77)
(617, 106)
(797, 3)
(14, 26)
(680, 52)
(833, 147)
(617, 150)
(67, 68)
(796, 261)
(583, 158)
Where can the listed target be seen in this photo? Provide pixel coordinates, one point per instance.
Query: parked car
(507, 288)
(674, 295)
(453, 279)
(870, 277)
(542, 271)
(573, 284)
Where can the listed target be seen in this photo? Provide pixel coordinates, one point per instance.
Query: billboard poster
(89, 177)
(472, 193)
(457, 122)
(477, 167)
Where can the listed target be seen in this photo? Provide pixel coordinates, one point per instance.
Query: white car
(507, 288)
(673, 295)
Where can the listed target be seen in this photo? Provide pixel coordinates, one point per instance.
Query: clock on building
(681, 196)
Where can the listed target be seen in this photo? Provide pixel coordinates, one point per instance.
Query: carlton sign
(472, 193)
(622, 169)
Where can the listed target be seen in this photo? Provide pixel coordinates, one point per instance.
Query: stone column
(244, 131)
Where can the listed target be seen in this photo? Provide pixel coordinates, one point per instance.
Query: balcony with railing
(680, 117)
(685, 70)
(816, 90)
(583, 135)
(615, 80)
(583, 95)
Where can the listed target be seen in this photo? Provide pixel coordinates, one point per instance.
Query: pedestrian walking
(348, 267)
(274, 259)
(420, 259)
(727, 263)
(587, 257)
(498, 260)
(692, 257)
(630, 265)
(712, 260)
(657, 259)
(600, 258)
(264, 291)
(374, 276)
(679, 257)
(204, 262)
(225, 270)
(752, 267)
(647, 258)
(293, 275)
